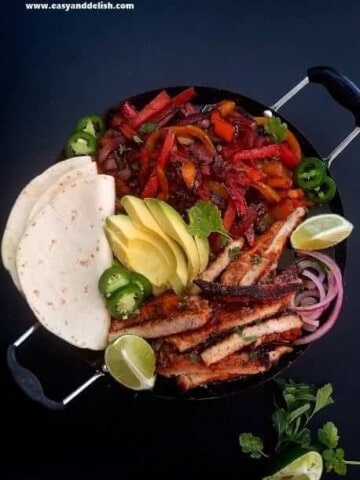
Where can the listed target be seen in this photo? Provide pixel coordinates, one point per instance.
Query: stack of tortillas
(55, 249)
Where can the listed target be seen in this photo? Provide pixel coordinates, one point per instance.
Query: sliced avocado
(142, 218)
(171, 222)
(125, 229)
(141, 256)
(202, 245)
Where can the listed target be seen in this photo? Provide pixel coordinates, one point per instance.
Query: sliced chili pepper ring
(112, 279)
(310, 173)
(324, 192)
(125, 301)
(80, 143)
(93, 124)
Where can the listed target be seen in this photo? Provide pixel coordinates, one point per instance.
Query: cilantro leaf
(276, 129)
(147, 127)
(328, 435)
(298, 412)
(205, 218)
(302, 438)
(251, 444)
(334, 460)
(323, 398)
(280, 420)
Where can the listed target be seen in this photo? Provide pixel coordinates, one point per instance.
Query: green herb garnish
(234, 252)
(147, 127)
(204, 219)
(296, 406)
(256, 260)
(252, 445)
(276, 129)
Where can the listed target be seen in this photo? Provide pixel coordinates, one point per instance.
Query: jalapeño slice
(112, 279)
(310, 173)
(143, 283)
(92, 124)
(125, 301)
(324, 192)
(80, 143)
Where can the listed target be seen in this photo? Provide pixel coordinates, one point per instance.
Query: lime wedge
(131, 361)
(298, 464)
(321, 231)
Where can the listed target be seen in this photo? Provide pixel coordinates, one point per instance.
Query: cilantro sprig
(295, 407)
(204, 219)
(276, 129)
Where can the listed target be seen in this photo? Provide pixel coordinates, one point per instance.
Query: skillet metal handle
(31, 385)
(343, 90)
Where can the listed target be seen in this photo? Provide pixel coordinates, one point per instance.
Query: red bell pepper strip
(229, 215)
(222, 128)
(288, 157)
(177, 102)
(283, 152)
(128, 111)
(156, 105)
(184, 96)
(165, 152)
(162, 163)
(152, 186)
(119, 122)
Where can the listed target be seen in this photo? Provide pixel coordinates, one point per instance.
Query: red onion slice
(330, 321)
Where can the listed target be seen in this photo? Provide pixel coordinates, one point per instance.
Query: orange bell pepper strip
(196, 132)
(290, 139)
(282, 210)
(225, 107)
(180, 131)
(296, 193)
(268, 192)
(153, 139)
(221, 127)
(164, 184)
(279, 182)
(188, 171)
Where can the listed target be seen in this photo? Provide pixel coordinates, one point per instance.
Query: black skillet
(347, 94)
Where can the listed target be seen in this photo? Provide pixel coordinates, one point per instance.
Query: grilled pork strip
(236, 341)
(194, 314)
(269, 258)
(244, 262)
(282, 285)
(161, 306)
(221, 262)
(225, 318)
(174, 364)
(188, 382)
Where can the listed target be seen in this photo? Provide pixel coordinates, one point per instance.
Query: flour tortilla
(63, 181)
(60, 258)
(23, 205)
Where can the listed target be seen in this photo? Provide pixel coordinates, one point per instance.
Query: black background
(59, 66)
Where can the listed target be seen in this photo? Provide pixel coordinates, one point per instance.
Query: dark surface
(59, 66)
